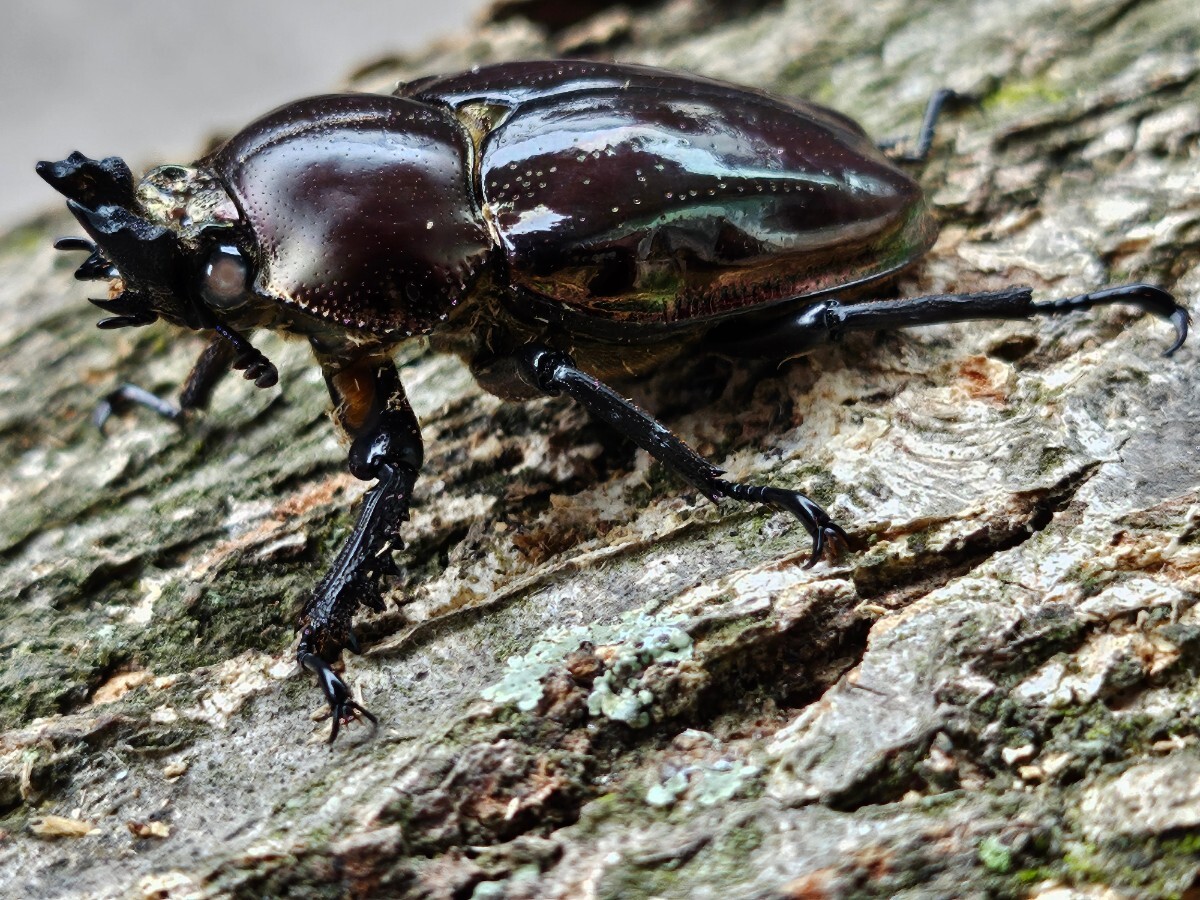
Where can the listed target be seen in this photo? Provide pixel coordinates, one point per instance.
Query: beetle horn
(141, 250)
(92, 182)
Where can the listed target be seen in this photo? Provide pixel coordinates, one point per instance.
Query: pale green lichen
(620, 693)
(667, 792)
(641, 641)
(522, 683)
(994, 855)
(722, 782)
(709, 785)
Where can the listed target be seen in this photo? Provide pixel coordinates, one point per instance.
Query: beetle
(556, 224)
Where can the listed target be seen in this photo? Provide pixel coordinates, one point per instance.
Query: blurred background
(150, 80)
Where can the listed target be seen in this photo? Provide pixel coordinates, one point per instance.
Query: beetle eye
(226, 274)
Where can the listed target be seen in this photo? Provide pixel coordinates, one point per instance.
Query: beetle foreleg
(826, 321)
(553, 372)
(210, 367)
(386, 446)
(355, 577)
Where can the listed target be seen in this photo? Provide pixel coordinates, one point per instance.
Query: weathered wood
(599, 684)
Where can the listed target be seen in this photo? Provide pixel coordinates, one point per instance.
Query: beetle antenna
(257, 367)
(95, 267)
(74, 243)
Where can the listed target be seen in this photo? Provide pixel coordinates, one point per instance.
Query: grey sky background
(150, 79)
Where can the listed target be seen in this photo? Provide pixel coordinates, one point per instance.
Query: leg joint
(540, 367)
(372, 450)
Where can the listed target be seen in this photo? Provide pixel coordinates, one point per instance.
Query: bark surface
(591, 681)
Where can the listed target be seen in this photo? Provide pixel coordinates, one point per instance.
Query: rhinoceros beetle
(556, 224)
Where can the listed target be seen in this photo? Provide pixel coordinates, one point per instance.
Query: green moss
(600, 810)
(1051, 459)
(917, 543)
(994, 855)
(1091, 580)
(818, 483)
(1010, 95)
(741, 842)
(1185, 845)
(1032, 876)
(658, 482)
(635, 882)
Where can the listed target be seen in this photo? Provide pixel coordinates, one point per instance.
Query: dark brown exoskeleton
(556, 224)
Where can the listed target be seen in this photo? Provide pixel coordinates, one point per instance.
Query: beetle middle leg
(385, 446)
(536, 369)
(824, 321)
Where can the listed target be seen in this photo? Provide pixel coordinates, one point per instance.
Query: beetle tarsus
(256, 366)
(825, 321)
(1146, 297)
(826, 534)
(343, 708)
(131, 395)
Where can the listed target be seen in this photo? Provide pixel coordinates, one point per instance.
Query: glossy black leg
(386, 447)
(553, 372)
(226, 349)
(825, 321)
(129, 395)
(206, 374)
(210, 368)
(938, 102)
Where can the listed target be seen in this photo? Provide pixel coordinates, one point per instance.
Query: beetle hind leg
(938, 103)
(825, 533)
(825, 321)
(539, 369)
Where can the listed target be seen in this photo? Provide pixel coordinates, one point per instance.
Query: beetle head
(168, 244)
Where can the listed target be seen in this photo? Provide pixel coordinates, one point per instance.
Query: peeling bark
(593, 682)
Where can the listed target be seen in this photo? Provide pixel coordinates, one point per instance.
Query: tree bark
(593, 682)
